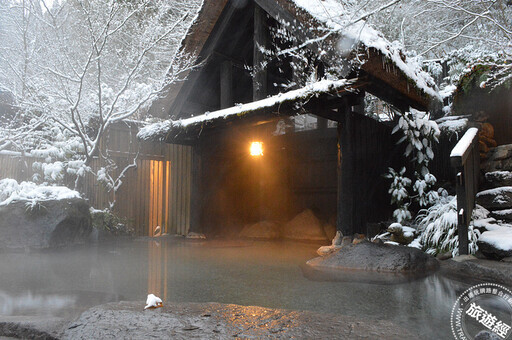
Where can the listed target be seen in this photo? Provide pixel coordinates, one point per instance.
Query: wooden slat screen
(156, 192)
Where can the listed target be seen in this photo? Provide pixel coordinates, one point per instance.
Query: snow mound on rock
(11, 191)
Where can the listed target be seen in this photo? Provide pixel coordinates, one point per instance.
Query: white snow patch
(11, 191)
(464, 143)
(447, 91)
(416, 243)
(500, 238)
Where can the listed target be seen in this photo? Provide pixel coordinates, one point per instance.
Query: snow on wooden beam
(281, 104)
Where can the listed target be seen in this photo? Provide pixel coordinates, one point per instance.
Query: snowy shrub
(438, 228)
(420, 133)
(399, 194)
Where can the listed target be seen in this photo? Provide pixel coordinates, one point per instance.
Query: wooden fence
(155, 192)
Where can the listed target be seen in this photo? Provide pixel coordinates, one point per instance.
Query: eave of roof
(179, 130)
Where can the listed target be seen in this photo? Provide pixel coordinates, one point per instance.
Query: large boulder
(47, 224)
(369, 256)
(304, 226)
(261, 230)
(496, 244)
(499, 198)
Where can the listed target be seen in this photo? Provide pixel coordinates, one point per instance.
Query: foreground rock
(127, 320)
(264, 230)
(373, 257)
(496, 244)
(51, 223)
(304, 226)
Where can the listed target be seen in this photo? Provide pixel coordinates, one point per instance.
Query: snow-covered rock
(499, 178)
(504, 215)
(401, 234)
(46, 224)
(12, 191)
(499, 198)
(499, 159)
(497, 243)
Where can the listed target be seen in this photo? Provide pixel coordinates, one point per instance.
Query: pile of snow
(499, 237)
(158, 130)
(11, 191)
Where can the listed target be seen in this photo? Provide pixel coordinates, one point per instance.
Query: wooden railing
(465, 158)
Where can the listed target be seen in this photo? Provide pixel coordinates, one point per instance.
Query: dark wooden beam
(350, 211)
(259, 82)
(217, 33)
(226, 84)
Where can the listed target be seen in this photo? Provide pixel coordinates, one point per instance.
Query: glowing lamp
(256, 149)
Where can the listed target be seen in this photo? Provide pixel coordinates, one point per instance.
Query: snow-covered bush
(438, 228)
(420, 133)
(400, 194)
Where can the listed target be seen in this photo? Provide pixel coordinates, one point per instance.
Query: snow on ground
(500, 238)
(11, 191)
(323, 86)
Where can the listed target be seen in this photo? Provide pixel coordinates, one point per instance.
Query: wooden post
(226, 84)
(462, 223)
(259, 81)
(196, 205)
(344, 220)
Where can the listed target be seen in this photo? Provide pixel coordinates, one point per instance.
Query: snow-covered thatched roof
(382, 60)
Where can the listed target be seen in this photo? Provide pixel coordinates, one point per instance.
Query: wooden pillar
(350, 214)
(259, 81)
(226, 84)
(344, 220)
(196, 203)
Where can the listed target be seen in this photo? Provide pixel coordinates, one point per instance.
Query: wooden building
(332, 165)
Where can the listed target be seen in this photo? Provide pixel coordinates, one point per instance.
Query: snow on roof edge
(157, 130)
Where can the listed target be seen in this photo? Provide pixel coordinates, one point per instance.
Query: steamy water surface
(268, 274)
